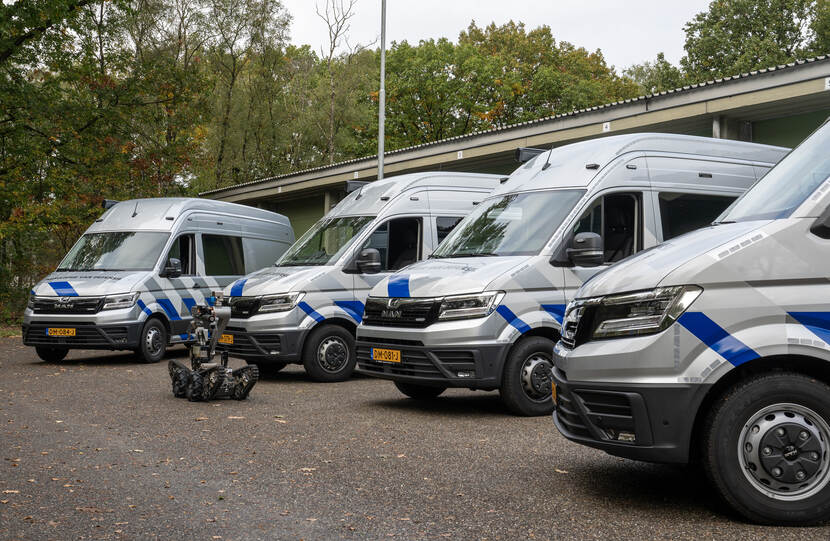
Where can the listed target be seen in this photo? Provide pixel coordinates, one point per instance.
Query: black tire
(180, 379)
(419, 392)
(771, 422)
(195, 387)
(50, 354)
(152, 342)
(329, 354)
(526, 379)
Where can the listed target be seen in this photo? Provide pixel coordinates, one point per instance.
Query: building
(779, 105)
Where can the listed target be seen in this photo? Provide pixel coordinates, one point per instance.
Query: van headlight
(279, 303)
(469, 306)
(125, 300)
(642, 312)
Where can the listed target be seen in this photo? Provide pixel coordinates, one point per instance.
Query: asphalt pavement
(97, 447)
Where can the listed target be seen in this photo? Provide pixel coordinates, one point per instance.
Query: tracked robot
(206, 379)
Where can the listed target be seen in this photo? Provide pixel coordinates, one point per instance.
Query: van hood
(275, 280)
(451, 276)
(89, 283)
(649, 268)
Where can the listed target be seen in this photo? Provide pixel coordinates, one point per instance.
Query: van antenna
(135, 210)
(547, 161)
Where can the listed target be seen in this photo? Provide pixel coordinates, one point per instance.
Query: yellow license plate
(226, 339)
(386, 355)
(553, 391)
(60, 331)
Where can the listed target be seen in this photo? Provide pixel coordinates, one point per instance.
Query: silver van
(306, 307)
(715, 348)
(484, 311)
(131, 279)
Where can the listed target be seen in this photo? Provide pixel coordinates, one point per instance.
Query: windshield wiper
(479, 254)
(724, 222)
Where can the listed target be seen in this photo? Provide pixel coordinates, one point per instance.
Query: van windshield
(115, 251)
(325, 242)
(515, 224)
(788, 184)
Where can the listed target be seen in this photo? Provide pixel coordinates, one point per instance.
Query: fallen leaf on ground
(557, 470)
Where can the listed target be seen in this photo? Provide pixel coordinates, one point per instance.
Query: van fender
(715, 351)
(348, 310)
(516, 326)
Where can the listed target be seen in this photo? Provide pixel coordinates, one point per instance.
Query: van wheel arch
(808, 366)
(351, 326)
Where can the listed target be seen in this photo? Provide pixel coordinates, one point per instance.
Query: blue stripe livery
(189, 303)
(512, 318)
(398, 285)
(311, 311)
(557, 311)
(64, 289)
(353, 308)
(236, 289)
(714, 336)
(143, 307)
(169, 309)
(817, 322)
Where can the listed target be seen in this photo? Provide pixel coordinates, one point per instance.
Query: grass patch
(9, 332)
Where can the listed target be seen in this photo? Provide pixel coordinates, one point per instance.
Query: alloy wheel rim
(537, 374)
(153, 341)
(783, 452)
(333, 354)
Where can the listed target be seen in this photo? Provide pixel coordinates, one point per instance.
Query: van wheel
(525, 383)
(766, 449)
(329, 354)
(419, 392)
(152, 342)
(51, 355)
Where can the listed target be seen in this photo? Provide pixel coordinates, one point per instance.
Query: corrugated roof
(509, 127)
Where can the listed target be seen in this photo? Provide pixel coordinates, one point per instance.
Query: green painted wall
(303, 213)
(787, 131)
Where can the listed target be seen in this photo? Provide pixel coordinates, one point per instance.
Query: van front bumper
(647, 422)
(477, 367)
(88, 335)
(281, 346)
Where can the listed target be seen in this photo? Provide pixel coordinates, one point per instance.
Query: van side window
(445, 224)
(223, 255)
(684, 212)
(398, 241)
(183, 250)
(618, 219)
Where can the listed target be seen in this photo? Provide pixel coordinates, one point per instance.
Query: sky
(628, 31)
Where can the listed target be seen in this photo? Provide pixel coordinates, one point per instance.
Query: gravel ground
(97, 447)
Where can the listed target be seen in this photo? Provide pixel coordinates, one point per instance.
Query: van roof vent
(592, 166)
(384, 198)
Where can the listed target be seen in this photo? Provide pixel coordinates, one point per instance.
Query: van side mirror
(586, 250)
(368, 261)
(821, 227)
(173, 268)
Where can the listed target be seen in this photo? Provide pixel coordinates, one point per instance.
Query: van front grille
(67, 305)
(401, 312)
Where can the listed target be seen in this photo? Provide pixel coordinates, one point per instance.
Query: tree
(737, 36)
(821, 28)
(657, 76)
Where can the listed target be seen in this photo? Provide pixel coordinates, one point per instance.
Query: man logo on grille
(393, 303)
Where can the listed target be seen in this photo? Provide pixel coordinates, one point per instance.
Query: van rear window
(223, 255)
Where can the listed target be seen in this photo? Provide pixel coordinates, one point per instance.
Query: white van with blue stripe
(132, 278)
(484, 311)
(714, 348)
(305, 308)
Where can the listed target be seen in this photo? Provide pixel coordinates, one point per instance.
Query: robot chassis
(206, 379)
